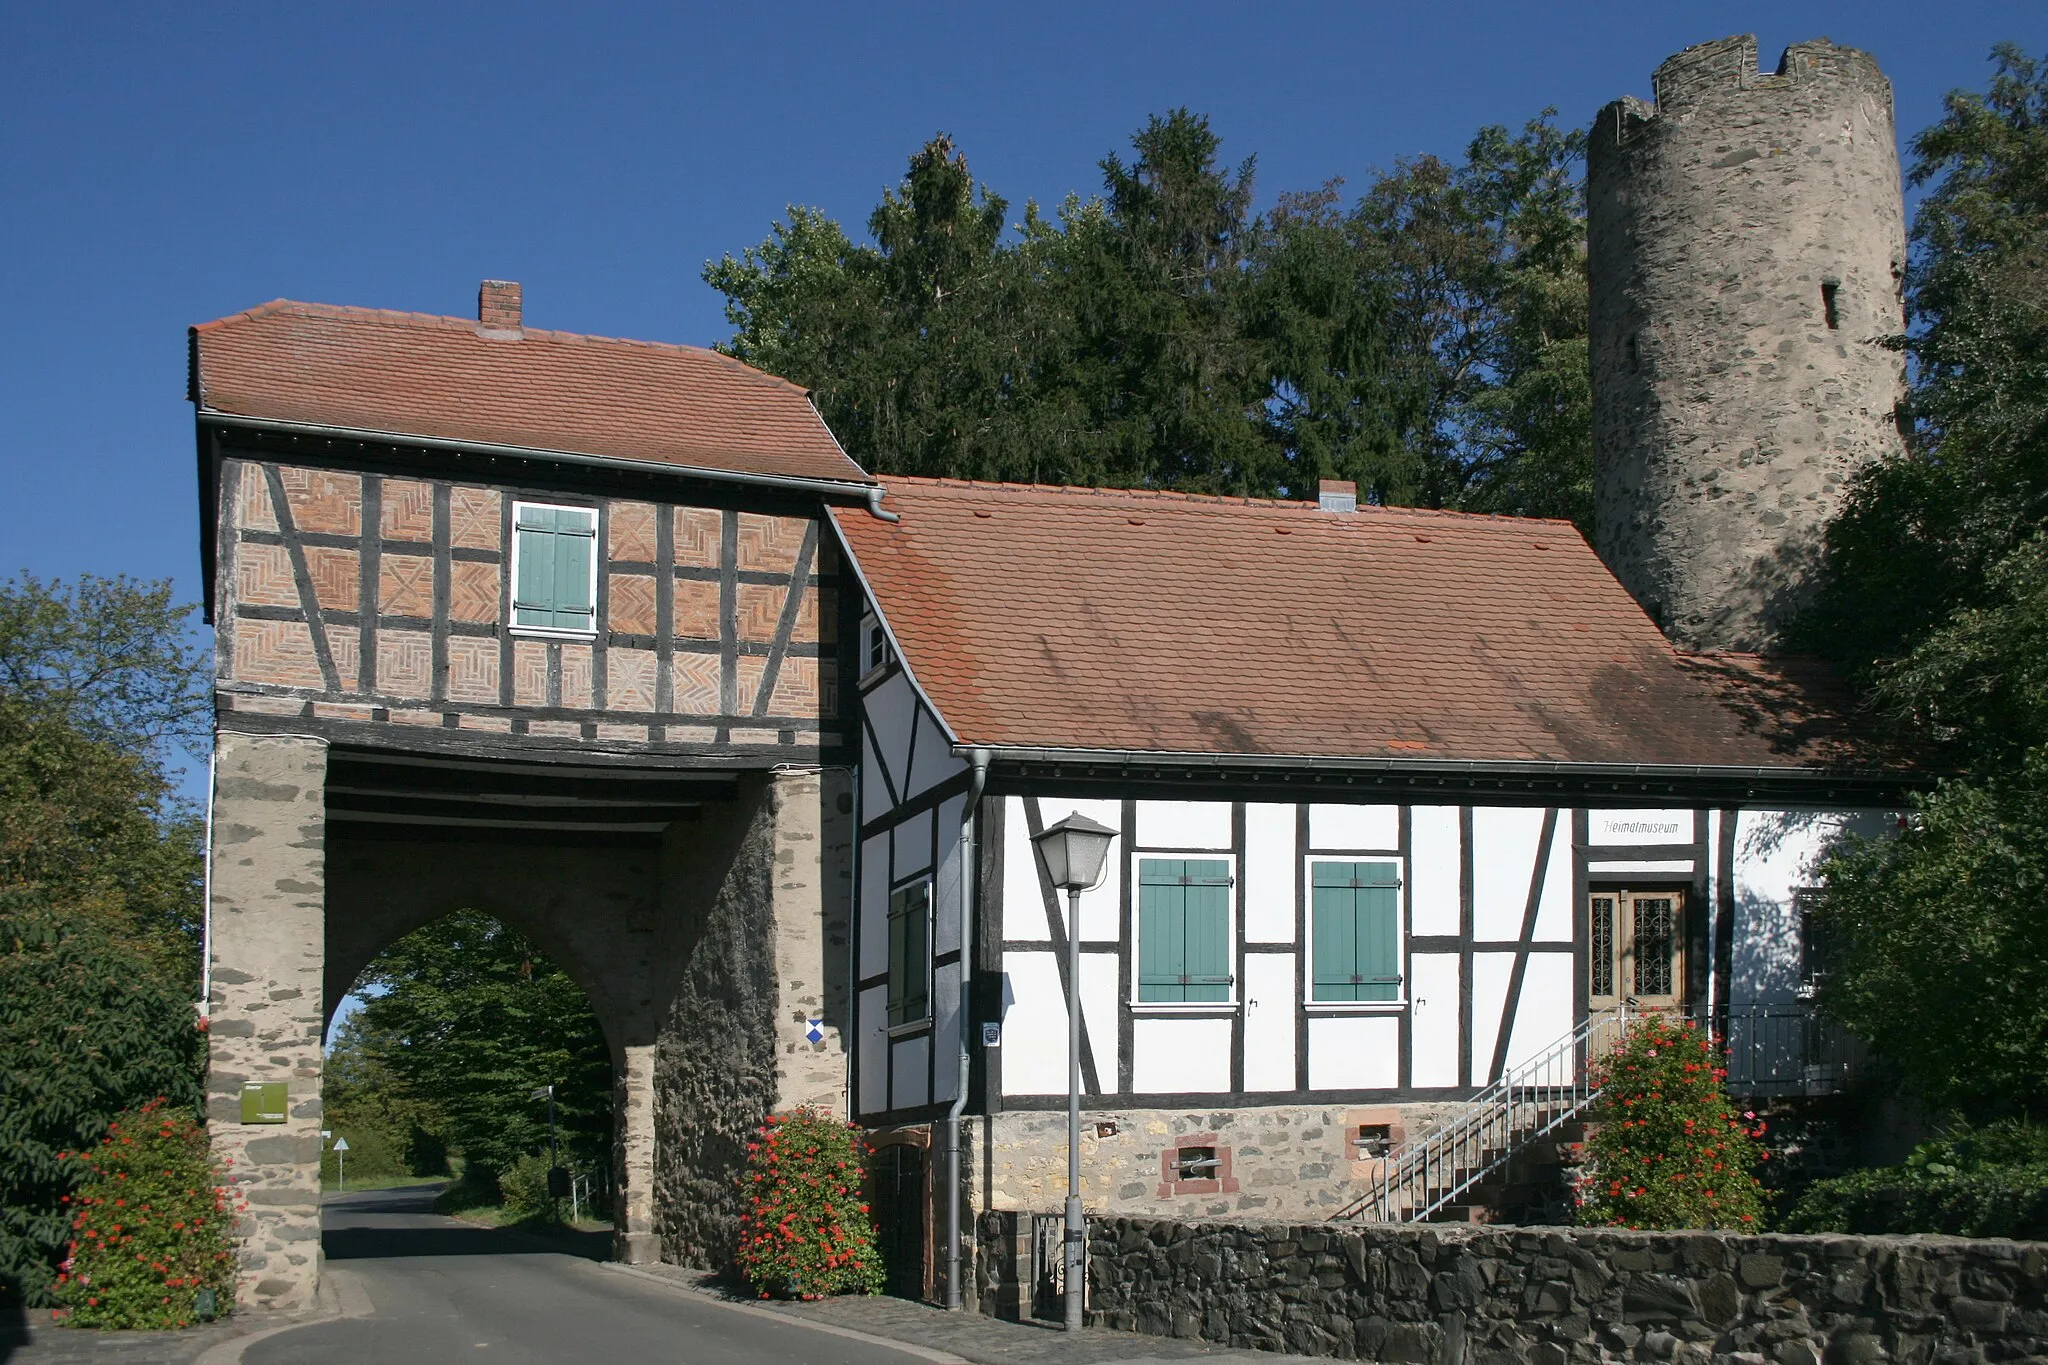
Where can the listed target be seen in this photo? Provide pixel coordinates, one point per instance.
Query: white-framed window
(874, 648)
(910, 954)
(1187, 939)
(554, 569)
(1354, 932)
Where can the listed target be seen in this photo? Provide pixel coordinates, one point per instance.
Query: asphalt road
(442, 1291)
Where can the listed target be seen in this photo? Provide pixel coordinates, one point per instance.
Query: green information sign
(264, 1102)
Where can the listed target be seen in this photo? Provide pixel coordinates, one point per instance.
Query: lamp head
(1074, 852)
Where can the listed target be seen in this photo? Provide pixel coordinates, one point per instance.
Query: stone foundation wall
(1278, 1162)
(1450, 1295)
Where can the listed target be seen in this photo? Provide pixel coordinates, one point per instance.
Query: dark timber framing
(512, 718)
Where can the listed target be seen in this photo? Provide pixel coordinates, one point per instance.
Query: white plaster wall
(932, 762)
(1434, 1034)
(1490, 972)
(891, 710)
(874, 792)
(946, 887)
(1375, 829)
(874, 917)
(911, 1085)
(1173, 1056)
(1546, 1010)
(1099, 1011)
(1269, 870)
(1504, 842)
(1354, 1052)
(1554, 917)
(1023, 903)
(1433, 869)
(1181, 824)
(873, 1051)
(1034, 1026)
(913, 839)
(1270, 986)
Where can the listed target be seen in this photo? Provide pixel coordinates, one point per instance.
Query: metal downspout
(969, 818)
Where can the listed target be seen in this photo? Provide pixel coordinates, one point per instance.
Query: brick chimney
(497, 308)
(1337, 495)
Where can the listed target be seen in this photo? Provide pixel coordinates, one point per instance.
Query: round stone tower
(1746, 240)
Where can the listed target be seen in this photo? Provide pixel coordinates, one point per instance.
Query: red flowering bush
(806, 1232)
(151, 1228)
(1671, 1149)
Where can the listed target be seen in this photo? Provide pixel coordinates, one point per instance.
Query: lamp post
(1074, 852)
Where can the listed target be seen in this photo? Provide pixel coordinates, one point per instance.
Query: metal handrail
(1419, 1178)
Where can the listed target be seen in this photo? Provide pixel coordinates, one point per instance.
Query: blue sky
(163, 165)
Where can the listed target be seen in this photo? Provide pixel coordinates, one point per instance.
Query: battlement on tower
(1724, 73)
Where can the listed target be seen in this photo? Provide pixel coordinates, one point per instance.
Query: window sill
(1190, 1007)
(914, 1026)
(1355, 1006)
(550, 633)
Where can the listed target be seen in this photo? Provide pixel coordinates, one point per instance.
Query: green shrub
(1671, 1151)
(1986, 1182)
(476, 1188)
(152, 1231)
(88, 1029)
(372, 1153)
(525, 1187)
(806, 1232)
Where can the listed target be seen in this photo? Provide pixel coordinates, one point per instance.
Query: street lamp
(1074, 852)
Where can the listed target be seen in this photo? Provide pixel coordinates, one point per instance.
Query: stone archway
(709, 934)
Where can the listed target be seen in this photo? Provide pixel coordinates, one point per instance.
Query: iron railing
(1772, 1050)
(1421, 1177)
(1787, 1049)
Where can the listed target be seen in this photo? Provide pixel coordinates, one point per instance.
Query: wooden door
(899, 1217)
(1637, 950)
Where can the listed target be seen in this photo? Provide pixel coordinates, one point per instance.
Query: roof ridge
(448, 322)
(1212, 499)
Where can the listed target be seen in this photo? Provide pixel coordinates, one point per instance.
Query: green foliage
(1943, 949)
(462, 1020)
(108, 656)
(1670, 1151)
(1924, 537)
(389, 1131)
(151, 1242)
(1984, 1182)
(1936, 603)
(1428, 343)
(87, 1029)
(524, 1185)
(807, 1232)
(89, 831)
(100, 874)
(373, 1153)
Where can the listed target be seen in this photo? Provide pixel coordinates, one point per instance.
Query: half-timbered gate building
(541, 625)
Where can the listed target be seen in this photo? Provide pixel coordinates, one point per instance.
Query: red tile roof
(1115, 620)
(422, 375)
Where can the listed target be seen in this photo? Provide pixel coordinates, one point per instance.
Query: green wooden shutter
(909, 953)
(556, 548)
(1356, 914)
(1184, 941)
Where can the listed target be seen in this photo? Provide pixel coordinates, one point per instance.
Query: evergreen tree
(1428, 343)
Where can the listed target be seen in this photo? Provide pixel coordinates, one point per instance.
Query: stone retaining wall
(1449, 1295)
